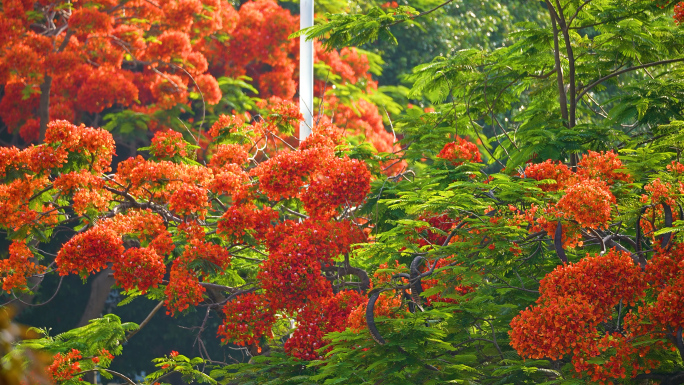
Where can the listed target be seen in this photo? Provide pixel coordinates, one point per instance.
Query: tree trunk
(99, 291)
(44, 106)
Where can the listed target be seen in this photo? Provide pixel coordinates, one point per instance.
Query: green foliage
(275, 369)
(236, 94)
(351, 30)
(189, 368)
(101, 334)
(107, 332)
(127, 123)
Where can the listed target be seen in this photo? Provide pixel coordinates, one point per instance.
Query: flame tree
(564, 267)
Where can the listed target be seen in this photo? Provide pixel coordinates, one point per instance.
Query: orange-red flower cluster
(665, 271)
(167, 144)
(460, 151)
(65, 366)
(238, 220)
(183, 290)
(86, 189)
(226, 125)
(145, 226)
(184, 287)
(19, 266)
(549, 170)
(679, 12)
(139, 267)
(574, 300)
(281, 115)
(437, 233)
(225, 154)
(586, 199)
(588, 202)
(319, 318)
(232, 181)
(346, 181)
(283, 176)
(604, 166)
(332, 182)
(291, 280)
(189, 199)
(31, 171)
(157, 212)
(248, 318)
(89, 252)
(387, 305)
(89, 53)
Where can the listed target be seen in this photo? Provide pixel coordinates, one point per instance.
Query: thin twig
(123, 377)
(422, 13)
(37, 304)
(614, 74)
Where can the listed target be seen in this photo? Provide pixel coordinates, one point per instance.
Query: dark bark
(414, 280)
(558, 243)
(370, 319)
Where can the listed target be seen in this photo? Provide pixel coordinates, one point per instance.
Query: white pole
(306, 61)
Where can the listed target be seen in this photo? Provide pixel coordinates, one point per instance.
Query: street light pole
(306, 76)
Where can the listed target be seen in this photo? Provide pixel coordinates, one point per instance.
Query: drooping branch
(370, 319)
(346, 269)
(17, 299)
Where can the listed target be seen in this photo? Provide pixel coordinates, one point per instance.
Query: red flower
(89, 252)
(65, 366)
(588, 202)
(167, 144)
(549, 170)
(460, 151)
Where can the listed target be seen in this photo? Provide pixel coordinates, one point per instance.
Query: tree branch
(614, 74)
(128, 380)
(146, 320)
(562, 98)
(577, 11)
(422, 13)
